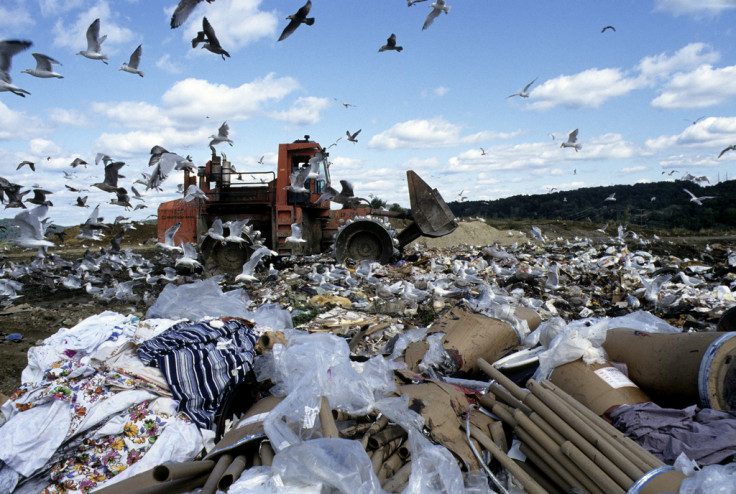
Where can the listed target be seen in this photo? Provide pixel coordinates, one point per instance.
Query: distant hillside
(671, 207)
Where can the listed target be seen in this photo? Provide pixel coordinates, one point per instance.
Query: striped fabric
(201, 361)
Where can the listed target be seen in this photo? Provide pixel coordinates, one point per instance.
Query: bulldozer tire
(228, 257)
(365, 239)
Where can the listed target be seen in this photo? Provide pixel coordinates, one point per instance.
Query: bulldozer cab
(299, 163)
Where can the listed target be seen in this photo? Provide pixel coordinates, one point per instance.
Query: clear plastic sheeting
(579, 339)
(643, 321)
(199, 300)
(713, 479)
(340, 464)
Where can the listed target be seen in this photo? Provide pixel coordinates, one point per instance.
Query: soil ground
(42, 311)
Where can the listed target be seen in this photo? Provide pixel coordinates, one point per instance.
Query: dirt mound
(475, 233)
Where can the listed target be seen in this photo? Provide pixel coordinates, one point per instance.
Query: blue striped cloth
(200, 361)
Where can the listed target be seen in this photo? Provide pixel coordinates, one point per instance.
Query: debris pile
(459, 369)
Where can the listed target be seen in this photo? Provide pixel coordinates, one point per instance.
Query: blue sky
(633, 93)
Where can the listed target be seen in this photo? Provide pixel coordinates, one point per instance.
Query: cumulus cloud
(164, 63)
(137, 143)
(13, 124)
(304, 111)
(135, 114)
(57, 7)
(695, 7)
(237, 23)
(432, 133)
(633, 169)
(686, 58)
(67, 117)
(703, 87)
(194, 98)
(74, 35)
(15, 17)
(710, 132)
(590, 88)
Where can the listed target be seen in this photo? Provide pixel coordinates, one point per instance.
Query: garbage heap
(535, 372)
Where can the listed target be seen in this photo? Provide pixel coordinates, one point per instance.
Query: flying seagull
(698, 200)
(612, 197)
(390, 45)
(297, 19)
(8, 49)
(437, 7)
(30, 164)
(94, 43)
(183, 10)
(352, 137)
(412, 2)
(523, 93)
(32, 229)
(39, 197)
(297, 179)
(296, 235)
(77, 162)
(608, 27)
(693, 122)
(571, 142)
(249, 267)
(207, 35)
(44, 67)
(729, 148)
(110, 183)
(132, 65)
(222, 136)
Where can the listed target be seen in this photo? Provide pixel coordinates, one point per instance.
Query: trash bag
(199, 300)
(712, 479)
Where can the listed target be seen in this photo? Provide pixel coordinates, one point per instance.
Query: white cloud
(14, 124)
(433, 133)
(437, 92)
(66, 117)
(633, 169)
(43, 147)
(193, 99)
(686, 58)
(138, 143)
(75, 35)
(164, 63)
(236, 22)
(304, 111)
(134, 114)
(710, 132)
(57, 7)
(703, 87)
(696, 7)
(15, 18)
(589, 88)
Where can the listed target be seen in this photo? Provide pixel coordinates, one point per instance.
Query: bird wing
(303, 12)
(135, 57)
(529, 85)
(93, 35)
(729, 148)
(8, 49)
(209, 31)
(223, 131)
(347, 189)
(327, 195)
(182, 12)
(572, 136)
(431, 17)
(691, 194)
(111, 173)
(43, 62)
(169, 234)
(290, 28)
(391, 41)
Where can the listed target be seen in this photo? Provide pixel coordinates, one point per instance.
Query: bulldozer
(358, 233)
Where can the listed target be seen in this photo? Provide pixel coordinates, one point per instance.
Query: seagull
(390, 45)
(482, 152)
(94, 43)
(189, 257)
(612, 197)
(183, 10)
(207, 35)
(8, 49)
(30, 164)
(412, 2)
(352, 137)
(39, 197)
(297, 19)
(729, 148)
(193, 192)
(168, 243)
(132, 65)
(297, 179)
(697, 200)
(216, 232)
(122, 199)
(102, 157)
(523, 93)
(110, 184)
(608, 27)
(82, 202)
(43, 67)
(693, 122)
(296, 235)
(93, 223)
(222, 136)
(260, 161)
(603, 228)
(32, 229)
(571, 142)
(136, 194)
(346, 197)
(78, 162)
(235, 229)
(249, 267)
(437, 7)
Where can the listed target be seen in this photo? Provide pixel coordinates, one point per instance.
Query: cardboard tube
(178, 486)
(504, 381)
(329, 429)
(255, 460)
(210, 487)
(502, 394)
(627, 446)
(559, 463)
(487, 400)
(354, 430)
(232, 473)
(530, 485)
(266, 453)
(379, 424)
(399, 479)
(539, 477)
(389, 468)
(543, 467)
(173, 471)
(595, 446)
(382, 454)
(386, 435)
(591, 469)
(548, 429)
(505, 413)
(661, 479)
(499, 435)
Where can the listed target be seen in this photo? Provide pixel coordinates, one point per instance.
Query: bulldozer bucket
(429, 210)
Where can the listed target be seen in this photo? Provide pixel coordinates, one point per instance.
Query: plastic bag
(712, 479)
(339, 463)
(643, 321)
(199, 300)
(579, 339)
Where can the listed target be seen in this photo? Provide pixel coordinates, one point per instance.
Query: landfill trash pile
(471, 369)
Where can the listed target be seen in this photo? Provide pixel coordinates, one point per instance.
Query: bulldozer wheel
(365, 239)
(228, 257)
